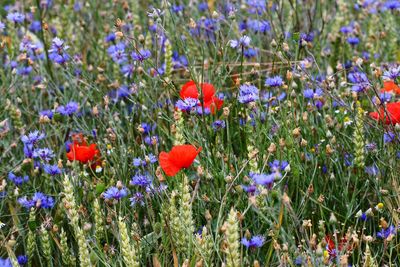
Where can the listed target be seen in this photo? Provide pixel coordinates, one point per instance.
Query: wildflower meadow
(199, 133)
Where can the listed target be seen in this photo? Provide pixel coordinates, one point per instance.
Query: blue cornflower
(121, 93)
(53, 170)
(151, 140)
(359, 80)
(392, 4)
(137, 198)
(24, 70)
(127, 70)
(243, 41)
(115, 193)
(32, 137)
(110, 37)
(46, 113)
(274, 81)
(140, 180)
(311, 93)
(137, 162)
(16, 17)
(298, 261)
(385, 233)
(277, 165)
(218, 124)
(141, 55)
(45, 154)
(187, 104)
(265, 179)
(17, 180)
(69, 109)
(383, 97)
(353, 40)
(389, 137)
(249, 188)
(256, 6)
(2, 26)
(392, 73)
(255, 242)
(57, 51)
(117, 53)
(261, 26)
(39, 200)
(372, 170)
(308, 37)
(250, 52)
(35, 26)
(202, 6)
(22, 259)
(5, 262)
(348, 159)
(248, 93)
(152, 158)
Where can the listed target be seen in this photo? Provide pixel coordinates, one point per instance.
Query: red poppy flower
(82, 153)
(181, 156)
(390, 116)
(390, 86)
(189, 90)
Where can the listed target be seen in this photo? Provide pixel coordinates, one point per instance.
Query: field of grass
(199, 133)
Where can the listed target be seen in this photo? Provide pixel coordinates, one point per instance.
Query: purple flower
(45, 154)
(140, 180)
(35, 26)
(310, 93)
(385, 233)
(117, 53)
(187, 104)
(137, 198)
(46, 113)
(392, 74)
(359, 80)
(57, 51)
(5, 262)
(372, 170)
(243, 41)
(261, 26)
(39, 200)
(383, 97)
(255, 242)
(17, 180)
(218, 124)
(353, 40)
(110, 37)
(248, 93)
(69, 109)
(115, 193)
(265, 179)
(249, 188)
(392, 4)
(274, 81)
(389, 137)
(256, 6)
(22, 259)
(277, 165)
(141, 55)
(32, 137)
(53, 170)
(16, 17)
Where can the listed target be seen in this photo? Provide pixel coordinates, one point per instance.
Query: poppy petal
(183, 156)
(189, 90)
(168, 167)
